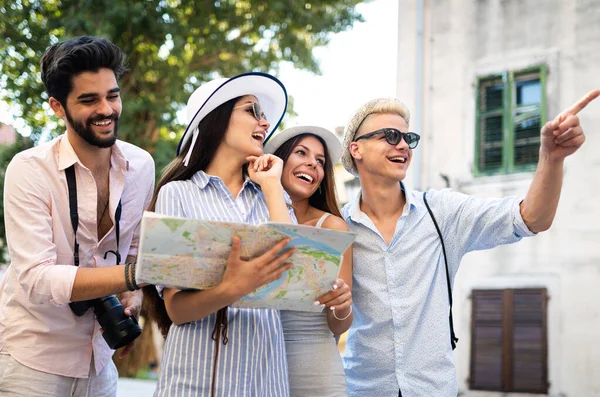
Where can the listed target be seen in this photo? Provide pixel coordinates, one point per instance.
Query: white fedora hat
(269, 91)
(334, 147)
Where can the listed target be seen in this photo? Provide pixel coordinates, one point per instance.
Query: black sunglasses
(256, 110)
(393, 137)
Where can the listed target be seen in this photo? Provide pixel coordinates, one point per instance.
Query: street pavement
(129, 387)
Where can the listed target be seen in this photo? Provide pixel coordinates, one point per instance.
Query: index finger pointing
(583, 102)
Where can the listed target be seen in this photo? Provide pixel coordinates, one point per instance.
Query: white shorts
(17, 380)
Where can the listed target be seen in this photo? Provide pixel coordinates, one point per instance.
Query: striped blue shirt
(253, 363)
(400, 337)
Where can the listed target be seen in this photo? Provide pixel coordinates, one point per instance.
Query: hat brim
(334, 147)
(269, 91)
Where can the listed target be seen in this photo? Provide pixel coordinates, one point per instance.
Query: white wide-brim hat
(334, 147)
(269, 91)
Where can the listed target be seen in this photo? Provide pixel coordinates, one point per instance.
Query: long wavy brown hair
(324, 198)
(211, 132)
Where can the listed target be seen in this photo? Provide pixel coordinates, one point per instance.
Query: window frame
(509, 108)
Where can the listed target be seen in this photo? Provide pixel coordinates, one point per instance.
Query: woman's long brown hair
(211, 132)
(324, 198)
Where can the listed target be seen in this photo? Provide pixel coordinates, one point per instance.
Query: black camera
(118, 329)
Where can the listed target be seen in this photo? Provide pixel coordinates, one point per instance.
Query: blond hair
(374, 106)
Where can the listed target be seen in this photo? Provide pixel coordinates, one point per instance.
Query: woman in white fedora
(210, 349)
(314, 364)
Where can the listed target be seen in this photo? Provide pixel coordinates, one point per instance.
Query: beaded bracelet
(343, 318)
(133, 281)
(130, 286)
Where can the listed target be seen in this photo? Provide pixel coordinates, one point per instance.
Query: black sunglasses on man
(393, 137)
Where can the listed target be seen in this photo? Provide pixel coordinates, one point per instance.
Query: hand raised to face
(265, 169)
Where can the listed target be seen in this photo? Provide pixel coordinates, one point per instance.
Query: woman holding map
(315, 366)
(212, 349)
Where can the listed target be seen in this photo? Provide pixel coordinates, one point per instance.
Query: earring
(320, 190)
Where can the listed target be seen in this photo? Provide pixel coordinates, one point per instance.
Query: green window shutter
(510, 111)
(527, 117)
(529, 350)
(487, 340)
(490, 126)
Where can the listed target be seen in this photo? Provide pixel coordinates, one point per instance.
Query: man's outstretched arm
(560, 138)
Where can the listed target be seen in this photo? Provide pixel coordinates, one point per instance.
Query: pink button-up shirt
(37, 326)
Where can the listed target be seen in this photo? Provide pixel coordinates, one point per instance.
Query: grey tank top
(306, 325)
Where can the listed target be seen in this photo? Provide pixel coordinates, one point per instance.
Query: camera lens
(118, 329)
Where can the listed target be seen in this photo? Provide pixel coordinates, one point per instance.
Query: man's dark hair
(64, 60)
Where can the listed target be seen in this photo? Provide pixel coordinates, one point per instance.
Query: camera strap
(453, 338)
(73, 212)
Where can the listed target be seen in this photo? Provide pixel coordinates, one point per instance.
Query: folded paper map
(192, 254)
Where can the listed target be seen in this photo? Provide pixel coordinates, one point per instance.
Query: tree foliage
(172, 46)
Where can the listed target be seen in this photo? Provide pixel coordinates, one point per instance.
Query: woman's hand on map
(243, 277)
(339, 299)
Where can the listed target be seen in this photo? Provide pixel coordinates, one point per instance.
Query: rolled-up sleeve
(480, 223)
(519, 226)
(28, 220)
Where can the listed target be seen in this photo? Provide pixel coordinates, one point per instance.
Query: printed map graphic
(192, 254)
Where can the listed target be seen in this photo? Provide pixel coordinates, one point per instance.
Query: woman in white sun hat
(315, 366)
(211, 349)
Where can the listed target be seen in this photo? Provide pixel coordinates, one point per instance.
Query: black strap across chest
(453, 338)
(73, 211)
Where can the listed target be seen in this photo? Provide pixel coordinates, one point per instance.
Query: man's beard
(87, 134)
